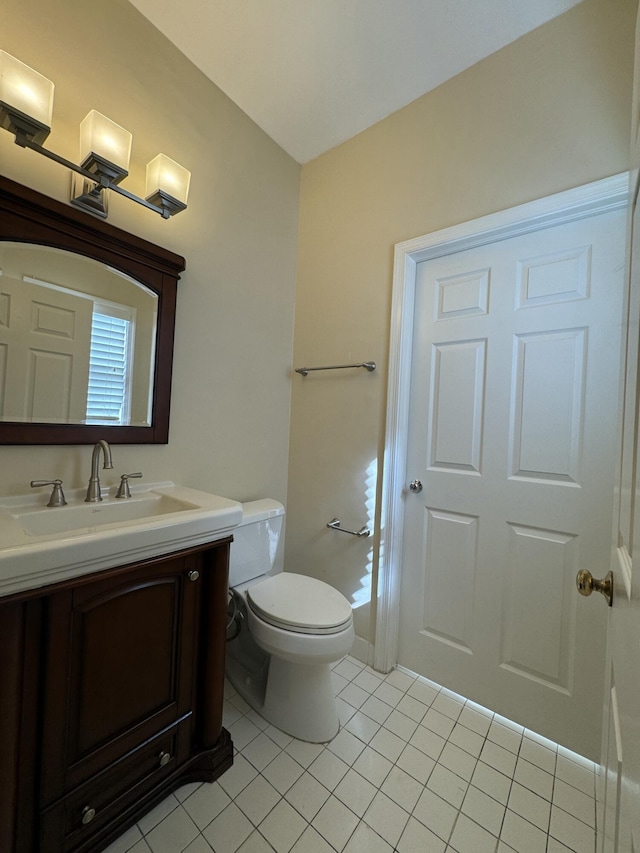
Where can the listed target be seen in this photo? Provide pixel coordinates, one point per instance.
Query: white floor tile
(282, 827)
(416, 764)
(423, 692)
(448, 706)
(348, 669)
(238, 776)
(346, 746)
(172, 834)
(255, 843)
(283, 772)
(258, 799)
(438, 722)
(307, 796)
(571, 831)
(261, 750)
(312, 842)
(474, 720)
(229, 830)
(469, 837)
(335, 823)
(153, 818)
(354, 695)
(575, 802)
(416, 837)
(400, 725)
(483, 809)
(389, 694)
(387, 744)
(521, 835)
(356, 792)
(498, 757)
(467, 739)
(534, 779)
(402, 788)
(536, 753)
(376, 709)
(386, 818)
(460, 762)
(447, 785)
(504, 736)
(365, 840)
(373, 766)
(200, 845)
(575, 775)
(492, 782)
(436, 814)
(399, 679)
(428, 742)
(206, 803)
(126, 841)
(413, 708)
(304, 753)
(530, 806)
(362, 727)
(328, 769)
(368, 680)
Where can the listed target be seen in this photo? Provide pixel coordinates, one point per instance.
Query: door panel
(619, 828)
(514, 380)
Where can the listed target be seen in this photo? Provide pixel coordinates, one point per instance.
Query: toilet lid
(300, 603)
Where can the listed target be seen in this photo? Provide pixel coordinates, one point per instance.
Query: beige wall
(547, 113)
(230, 402)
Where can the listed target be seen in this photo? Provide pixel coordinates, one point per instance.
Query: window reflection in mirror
(77, 340)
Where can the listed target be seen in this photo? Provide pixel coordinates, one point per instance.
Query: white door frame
(599, 197)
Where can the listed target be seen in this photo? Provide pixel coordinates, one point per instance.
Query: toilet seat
(299, 603)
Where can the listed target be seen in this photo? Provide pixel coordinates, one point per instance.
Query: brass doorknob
(587, 584)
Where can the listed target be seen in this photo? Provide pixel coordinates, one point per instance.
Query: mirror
(87, 316)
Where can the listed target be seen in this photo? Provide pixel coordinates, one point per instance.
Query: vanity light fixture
(26, 106)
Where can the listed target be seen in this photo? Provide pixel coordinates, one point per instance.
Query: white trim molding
(589, 200)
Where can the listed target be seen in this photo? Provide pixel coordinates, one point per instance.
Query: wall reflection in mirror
(77, 340)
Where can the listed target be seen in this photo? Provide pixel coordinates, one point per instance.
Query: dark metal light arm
(101, 181)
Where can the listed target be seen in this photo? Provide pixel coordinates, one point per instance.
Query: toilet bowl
(290, 629)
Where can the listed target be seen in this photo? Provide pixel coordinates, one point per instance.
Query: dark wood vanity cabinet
(111, 697)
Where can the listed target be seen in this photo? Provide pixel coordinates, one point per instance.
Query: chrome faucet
(93, 489)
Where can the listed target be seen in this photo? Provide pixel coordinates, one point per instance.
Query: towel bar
(368, 365)
(335, 523)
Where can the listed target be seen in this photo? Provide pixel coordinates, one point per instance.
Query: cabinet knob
(88, 815)
(165, 758)
(193, 575)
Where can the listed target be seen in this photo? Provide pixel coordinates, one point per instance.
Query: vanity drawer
(75, 821)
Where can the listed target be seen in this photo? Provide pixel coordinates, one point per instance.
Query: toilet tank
(257, 547)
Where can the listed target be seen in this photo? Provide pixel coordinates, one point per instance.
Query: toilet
(285, 631)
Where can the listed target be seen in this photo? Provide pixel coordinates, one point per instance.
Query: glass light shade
(166, 176)
(25, 90)
(104, 139)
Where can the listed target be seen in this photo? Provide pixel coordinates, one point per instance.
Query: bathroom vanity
(112, 690)
(112, 656)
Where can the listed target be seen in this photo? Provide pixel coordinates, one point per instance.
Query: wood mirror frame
(26, 216)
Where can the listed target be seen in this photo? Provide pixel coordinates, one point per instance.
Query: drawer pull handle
(165, 758)
(193, 575)
(88, 815)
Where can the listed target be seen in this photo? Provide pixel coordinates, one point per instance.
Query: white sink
(40, 545)
(88, 516)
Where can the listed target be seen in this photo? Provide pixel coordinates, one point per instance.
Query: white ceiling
(313, 73)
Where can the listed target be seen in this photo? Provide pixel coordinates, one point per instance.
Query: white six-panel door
(512, 435)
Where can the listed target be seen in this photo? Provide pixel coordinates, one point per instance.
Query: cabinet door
(121, 657)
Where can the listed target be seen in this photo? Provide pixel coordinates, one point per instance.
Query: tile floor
(414, 769)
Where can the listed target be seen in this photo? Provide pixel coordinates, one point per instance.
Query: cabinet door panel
(127, 644)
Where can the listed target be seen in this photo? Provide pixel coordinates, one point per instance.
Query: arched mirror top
(66, 281)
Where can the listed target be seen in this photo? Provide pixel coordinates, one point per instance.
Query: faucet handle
(57, 495)
(123, 488)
